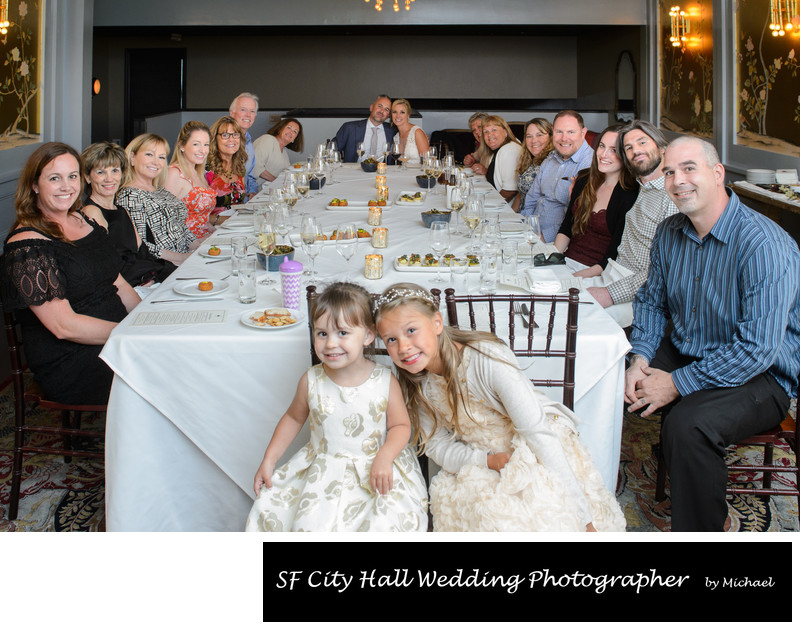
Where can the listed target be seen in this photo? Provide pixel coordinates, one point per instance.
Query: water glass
(247, 280)
(510, 257)
(239, 251)
(458, 274)
(488, 270)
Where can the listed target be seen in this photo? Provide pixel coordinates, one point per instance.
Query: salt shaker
(291, 278)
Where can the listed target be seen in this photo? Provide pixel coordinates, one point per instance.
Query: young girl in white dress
(358, 472)
(511, 458)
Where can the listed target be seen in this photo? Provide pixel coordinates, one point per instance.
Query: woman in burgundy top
(602, 195)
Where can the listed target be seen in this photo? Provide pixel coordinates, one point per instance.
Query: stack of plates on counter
(760, 176)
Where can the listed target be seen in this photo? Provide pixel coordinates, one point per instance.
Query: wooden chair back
(543, 309)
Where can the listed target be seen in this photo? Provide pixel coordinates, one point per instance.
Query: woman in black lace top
(60, 274)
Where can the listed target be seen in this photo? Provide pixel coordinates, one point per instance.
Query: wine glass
(311, 239)
(533, 232)
(266, 243)
(290, 195)
(456, 206)
(281, 219)
(319, 173)
(473, 216)
(346, 243)
(360, 150)
(383, 149)
(439, 240)
(335, 161)
(303, 186)
(433, 168)
(396, 151)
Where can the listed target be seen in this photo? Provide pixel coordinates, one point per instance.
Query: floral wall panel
(20, 74)
(687, 68)
(768, 82)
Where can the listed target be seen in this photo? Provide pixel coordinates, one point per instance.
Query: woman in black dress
(60, 275)
(105, 166)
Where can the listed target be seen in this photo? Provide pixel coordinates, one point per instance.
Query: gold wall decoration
(768, 89)
(21, 46)
(687, 67)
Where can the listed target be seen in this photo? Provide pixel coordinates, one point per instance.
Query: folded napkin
(543, 281)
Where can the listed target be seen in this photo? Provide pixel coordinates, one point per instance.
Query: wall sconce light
(4, 23)
(781, 13)
(679, 26)
(95, 86)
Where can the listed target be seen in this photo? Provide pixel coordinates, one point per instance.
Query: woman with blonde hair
(538, 145)
(158, 215)
(186, 176)
(481, 155)
(413, 141)
(505, 149)
(227, 164)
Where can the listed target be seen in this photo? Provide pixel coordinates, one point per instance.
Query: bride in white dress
(413, 141)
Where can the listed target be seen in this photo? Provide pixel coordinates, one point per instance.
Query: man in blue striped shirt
(729, 279)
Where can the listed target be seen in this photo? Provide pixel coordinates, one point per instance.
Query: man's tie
(373, 145)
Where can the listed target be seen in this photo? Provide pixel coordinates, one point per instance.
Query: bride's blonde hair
(449, 353)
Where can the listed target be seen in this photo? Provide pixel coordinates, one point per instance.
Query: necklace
(100, 205)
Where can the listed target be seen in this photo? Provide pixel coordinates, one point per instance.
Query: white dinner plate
(191, 288)
(225, 252)
(238, 225)
(245, 319)
(405, 202)
(298, 242)
(511, 227)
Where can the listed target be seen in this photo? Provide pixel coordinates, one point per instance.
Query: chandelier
(781, 13)
(679, 25)
(379, 4)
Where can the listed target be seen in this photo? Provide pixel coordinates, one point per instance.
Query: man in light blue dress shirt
(729, 279)
(244, 110)
(549, 195)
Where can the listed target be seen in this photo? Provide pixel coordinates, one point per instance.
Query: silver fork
(518, 311)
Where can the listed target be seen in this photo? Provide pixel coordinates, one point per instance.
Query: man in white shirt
(372, 131)
(244, 110)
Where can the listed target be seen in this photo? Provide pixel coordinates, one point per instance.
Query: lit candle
(380, 180)
(380, 237)
(373, 266)
(381, 168)
(375, 214)
(383, 193)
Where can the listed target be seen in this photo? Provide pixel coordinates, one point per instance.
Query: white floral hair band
(397, 294)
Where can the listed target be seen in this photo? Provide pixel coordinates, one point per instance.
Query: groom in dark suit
(372, 131)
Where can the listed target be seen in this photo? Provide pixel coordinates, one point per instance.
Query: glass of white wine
(456, 206)
(266, 243)
(303, 186)
(360, 150)
(291, 195)
(473, 215)
(433, 168)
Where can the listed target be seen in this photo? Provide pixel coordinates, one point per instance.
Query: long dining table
(197, 393)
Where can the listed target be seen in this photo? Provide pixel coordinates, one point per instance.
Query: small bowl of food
(426, 182)
(370, 165)
(276, 257)
(434, 215)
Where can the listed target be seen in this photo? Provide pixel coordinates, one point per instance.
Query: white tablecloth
(193, 406)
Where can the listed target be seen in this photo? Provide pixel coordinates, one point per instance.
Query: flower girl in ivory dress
(357, 473)
(511, 458)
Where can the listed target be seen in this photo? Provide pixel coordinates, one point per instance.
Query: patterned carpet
(70, 497)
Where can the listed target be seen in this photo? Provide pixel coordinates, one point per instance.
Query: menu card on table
(171, 318)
